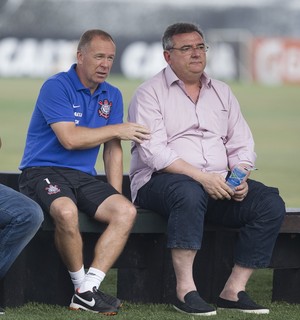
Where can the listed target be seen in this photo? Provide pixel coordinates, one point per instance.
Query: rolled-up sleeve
(155, 153)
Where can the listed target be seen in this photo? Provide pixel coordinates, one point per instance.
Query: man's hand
(241, 192)
(133, 131)
(216, 187)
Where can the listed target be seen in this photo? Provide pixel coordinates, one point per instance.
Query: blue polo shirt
(64, 98)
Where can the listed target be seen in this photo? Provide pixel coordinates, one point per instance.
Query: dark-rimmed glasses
(189, 49)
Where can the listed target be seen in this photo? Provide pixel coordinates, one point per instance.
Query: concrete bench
(144, 269)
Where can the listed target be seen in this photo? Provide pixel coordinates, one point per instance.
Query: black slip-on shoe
(244, 304)
(194, 305)
(92, 301)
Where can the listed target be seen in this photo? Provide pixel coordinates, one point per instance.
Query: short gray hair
(178, 28)
(89, 35)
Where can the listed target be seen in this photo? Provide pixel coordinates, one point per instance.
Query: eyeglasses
(189, 49)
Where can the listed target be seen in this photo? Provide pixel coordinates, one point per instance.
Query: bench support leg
(144, 271)
(286, 285)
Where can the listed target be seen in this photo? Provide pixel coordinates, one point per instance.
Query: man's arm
(213, 183)
(239, 141)
(113, 163)
(74, 137)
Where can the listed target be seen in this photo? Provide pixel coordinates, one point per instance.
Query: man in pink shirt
(198, 135)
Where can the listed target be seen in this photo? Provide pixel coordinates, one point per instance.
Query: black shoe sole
(209, 313)
(253, 311)
(111, 313)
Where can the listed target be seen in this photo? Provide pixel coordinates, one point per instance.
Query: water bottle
(237, 176)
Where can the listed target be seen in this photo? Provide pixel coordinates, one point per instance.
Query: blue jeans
(20, 219)
(186, 205)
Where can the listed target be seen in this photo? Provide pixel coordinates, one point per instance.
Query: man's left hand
(241, 192)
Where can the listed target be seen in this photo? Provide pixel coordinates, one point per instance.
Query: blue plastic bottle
(236, 177)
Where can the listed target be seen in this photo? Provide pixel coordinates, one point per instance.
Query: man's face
(94, 62)
(186, 59)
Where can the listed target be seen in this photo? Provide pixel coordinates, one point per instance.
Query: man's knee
(272, 204)
(37, 215)
(31, 212)
(117, 210)
(126, 212)
(189, 195)
(278, 207)
(65, 214)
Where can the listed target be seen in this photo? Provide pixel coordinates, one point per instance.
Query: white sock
(92, 279)
(77, 277)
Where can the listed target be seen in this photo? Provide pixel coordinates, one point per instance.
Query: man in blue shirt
(75, 113)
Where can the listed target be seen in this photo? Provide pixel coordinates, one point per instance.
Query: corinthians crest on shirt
(104, 109)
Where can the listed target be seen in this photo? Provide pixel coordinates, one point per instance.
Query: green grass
(273, 114)
(259, 288)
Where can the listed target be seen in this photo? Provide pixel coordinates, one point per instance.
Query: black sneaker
(194, 305)
(113, 301)
(244, 304)
(2, 311)
(92, 301)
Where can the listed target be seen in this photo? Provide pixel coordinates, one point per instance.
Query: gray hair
(178, 28)
(89, 35)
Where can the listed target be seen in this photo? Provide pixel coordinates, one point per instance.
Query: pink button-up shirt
(212, 134)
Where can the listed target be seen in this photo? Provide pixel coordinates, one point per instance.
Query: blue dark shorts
(45, 184)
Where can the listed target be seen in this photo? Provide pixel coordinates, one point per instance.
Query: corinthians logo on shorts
(52, 189)
(104, 109)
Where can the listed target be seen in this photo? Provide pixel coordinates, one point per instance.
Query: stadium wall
(259, 43)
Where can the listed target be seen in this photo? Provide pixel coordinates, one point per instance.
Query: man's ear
(79, 57)
(167, 56)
